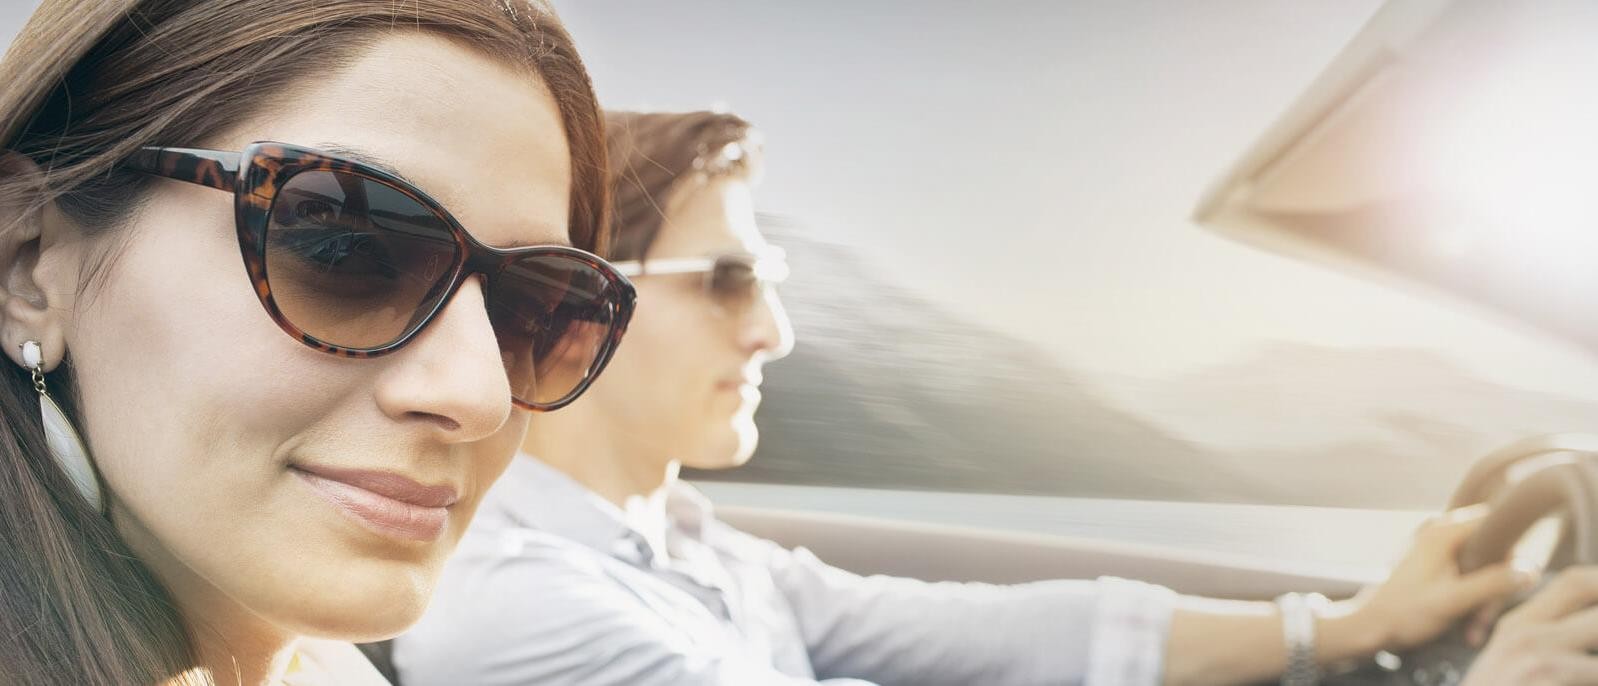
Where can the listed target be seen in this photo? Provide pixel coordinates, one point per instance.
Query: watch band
(1299, 611)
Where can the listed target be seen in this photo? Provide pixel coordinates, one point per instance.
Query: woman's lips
(386, 503)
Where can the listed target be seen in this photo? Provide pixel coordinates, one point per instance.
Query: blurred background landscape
(887, 390)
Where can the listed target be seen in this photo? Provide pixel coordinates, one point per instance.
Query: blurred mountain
(1379, 427)
(887, 390)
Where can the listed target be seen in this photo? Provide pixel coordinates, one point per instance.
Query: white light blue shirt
(555, 585)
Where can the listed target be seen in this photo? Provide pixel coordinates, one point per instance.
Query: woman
(211, 473)
(592, 564)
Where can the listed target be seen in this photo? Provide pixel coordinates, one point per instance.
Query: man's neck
(617, 469)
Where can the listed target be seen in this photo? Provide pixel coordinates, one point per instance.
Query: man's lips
(734, 383)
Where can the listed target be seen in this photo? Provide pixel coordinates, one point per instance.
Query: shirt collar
(535, 495)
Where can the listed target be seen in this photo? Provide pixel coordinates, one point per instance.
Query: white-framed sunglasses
(734, 281)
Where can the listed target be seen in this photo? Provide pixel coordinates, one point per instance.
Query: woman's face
(203, 416)
(687, 378)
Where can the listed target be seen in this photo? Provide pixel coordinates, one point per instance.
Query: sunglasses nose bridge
(479, 261)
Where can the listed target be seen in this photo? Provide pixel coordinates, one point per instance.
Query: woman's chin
(361, 611)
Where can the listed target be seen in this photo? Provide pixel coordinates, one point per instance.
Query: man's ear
(40, 260)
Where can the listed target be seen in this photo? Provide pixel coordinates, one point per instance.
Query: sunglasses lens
(357, 263)
(734, 284)
(553, 315)
(354, 262)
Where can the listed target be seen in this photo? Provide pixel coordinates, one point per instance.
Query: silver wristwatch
(1299, 611)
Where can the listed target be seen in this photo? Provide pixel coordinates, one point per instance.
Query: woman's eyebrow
(369, 159)
(376, 161)
(518, 243)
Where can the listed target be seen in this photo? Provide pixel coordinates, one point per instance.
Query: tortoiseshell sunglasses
(353, 261)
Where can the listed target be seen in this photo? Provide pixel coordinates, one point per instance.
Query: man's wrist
(1348, 631)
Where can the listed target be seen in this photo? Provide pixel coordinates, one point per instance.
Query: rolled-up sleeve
(1130, 628)
(1104, 632)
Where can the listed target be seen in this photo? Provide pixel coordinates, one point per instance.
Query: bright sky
(12, 14)
(1032, 164)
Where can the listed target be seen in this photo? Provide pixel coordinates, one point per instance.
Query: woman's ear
(40, 258)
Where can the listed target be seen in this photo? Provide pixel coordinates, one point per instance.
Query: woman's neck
(246, 660)
(605, 461)
(235, 645)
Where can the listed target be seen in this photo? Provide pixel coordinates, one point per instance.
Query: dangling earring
(65, 444)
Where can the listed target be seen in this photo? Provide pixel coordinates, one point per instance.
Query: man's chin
(746, 437)
(732, 449)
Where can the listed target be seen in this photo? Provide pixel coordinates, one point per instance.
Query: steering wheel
(1525, 482)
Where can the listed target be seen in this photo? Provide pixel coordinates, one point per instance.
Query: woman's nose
(451, 376)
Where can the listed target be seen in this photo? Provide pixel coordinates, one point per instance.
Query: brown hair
(85, 84)
(655, 153)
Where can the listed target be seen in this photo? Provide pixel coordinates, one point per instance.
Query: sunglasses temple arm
(686, 265)
(210, 168)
